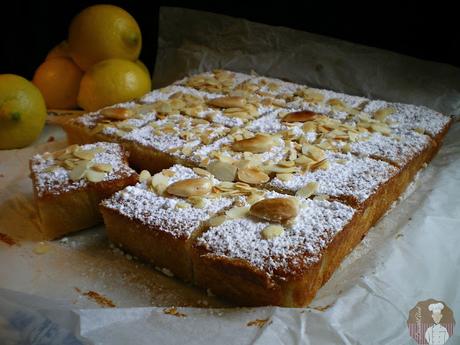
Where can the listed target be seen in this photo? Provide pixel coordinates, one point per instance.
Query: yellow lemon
(22, 112)
(59, 80)
(102, 32)
(112, 81)
(59, 51)
(144, 67)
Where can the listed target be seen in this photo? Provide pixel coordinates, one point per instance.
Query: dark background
(29, 29)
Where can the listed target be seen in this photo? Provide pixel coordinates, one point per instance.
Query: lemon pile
(98, 65)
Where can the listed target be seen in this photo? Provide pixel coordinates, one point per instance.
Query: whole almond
(116, 113)
(300, 116)
(257, 144)
(275, 210)
(227, 102)
(190, 187)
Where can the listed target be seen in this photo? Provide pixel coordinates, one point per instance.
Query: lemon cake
(230, 155)
(70, 183)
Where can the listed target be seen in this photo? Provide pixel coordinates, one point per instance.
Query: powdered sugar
(300, 245)
(348, 176)
(57, 181)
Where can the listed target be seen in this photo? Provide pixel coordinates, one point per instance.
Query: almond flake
(79, 170)
(144, 176)
(190, 187)
(222, 171)
(308, 190)
(382, 113)
(102, 167)
(284, 177)
(272, 231)
(95, 176)
(258, 144)
(116, 113)
(276, 210)
(216, 221)
(237, 212)
(300, 116)
(252, 176)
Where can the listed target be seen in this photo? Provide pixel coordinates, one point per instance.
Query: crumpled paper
(60, 292)
(193, 41)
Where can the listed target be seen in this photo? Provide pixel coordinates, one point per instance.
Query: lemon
(144, 67)
(112, 81)
(61, 50)
(102, 32)
(22, 112)
(59, 81)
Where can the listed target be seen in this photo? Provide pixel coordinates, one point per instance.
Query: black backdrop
(29, 29)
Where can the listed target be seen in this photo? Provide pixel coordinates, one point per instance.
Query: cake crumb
(259, 322)
(98, 298)
(173, 311)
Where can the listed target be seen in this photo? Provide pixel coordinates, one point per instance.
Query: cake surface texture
(252, 187)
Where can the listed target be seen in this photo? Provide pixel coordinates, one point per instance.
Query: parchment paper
(60, 292)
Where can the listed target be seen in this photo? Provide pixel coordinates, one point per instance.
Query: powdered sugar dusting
(348, 175)
(300, 245)
(166, 213)
(58, 181)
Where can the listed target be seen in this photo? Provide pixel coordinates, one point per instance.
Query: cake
(69, 184)
(289, 179)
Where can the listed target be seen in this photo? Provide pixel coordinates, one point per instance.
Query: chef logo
(431, 322)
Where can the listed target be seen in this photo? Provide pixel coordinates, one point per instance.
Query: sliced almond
(300, 116)
(190, 187)
(237, 212)
(313, 152)
(308, 190)
(258, 144)
(284, 177)
(276, 210)
(95, 176)
(419, 130)
(159, 182)
(49, 169)
(116, 113)
(272, 231)
(79, 170)
(202, 172)
(252, 176)
(222, 171)
(197, 201)
(144, 176)
(84, 154)
(320, 165)
(227, 102)
(382, 113)
(102, 167)
(216, 221)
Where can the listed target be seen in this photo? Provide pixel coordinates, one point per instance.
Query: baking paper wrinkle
(411, 254)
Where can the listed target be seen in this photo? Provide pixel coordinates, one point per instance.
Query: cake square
(151, 222)
(69, 184)
(255, 260)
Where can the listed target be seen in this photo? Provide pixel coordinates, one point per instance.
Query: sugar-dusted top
(165, 212)
(347, 175)
(408, 116)
(53, 175)
(300, 245)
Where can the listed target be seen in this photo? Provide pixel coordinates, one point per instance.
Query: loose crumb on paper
(98, 298)
(320, 308)
(259, 323)
(173, 311)
(7, 239)
(42, 248)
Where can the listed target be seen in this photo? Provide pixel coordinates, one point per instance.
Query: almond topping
(190, 187)
(222, 171)
(216, 221)
(252, 176)
(300, 116)
(382, 113)
(95, 176)
(308, 190)
(227, 102)
(272, 231)
(79, 170)
(258, 144)
(116, 113)
(276, 210)
(84, 154)
(237, 212)
(144, 176)
(102, 167)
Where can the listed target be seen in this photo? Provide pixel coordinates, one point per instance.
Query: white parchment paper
(58, 292)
